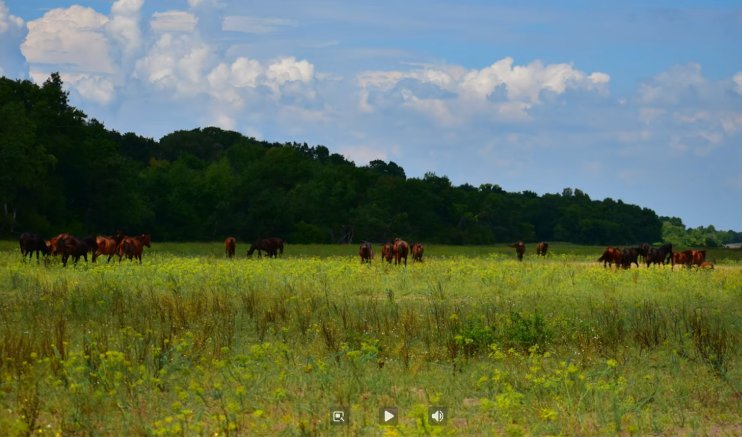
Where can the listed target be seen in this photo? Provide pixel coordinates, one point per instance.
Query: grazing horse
(31, 243)
(541, 248)
(400, 250)
(132, 247)
(366, 252)
(53, 242)
(230, 245)
(611, 255)
(659, 255)
(387, 252)
(706, 266)
(520, 249)
(272, 246)
(417, 252)
(106, 246)
(630, 255)
(74, 247)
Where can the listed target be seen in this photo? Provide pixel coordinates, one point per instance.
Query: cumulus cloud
(173, 21)
(73, 37)
(521, 87)
(124, 25)
(12, 32)
(8, 22)
(176, 62)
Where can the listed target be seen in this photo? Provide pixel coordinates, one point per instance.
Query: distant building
(733, 246)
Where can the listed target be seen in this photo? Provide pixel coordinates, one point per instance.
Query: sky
(632, 100)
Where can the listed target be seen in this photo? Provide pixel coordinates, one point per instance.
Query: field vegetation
(191, 343)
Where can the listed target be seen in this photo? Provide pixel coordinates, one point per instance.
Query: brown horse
(698, 257)
(132, 247)
(400, 250)
(681, 258)
(53, 242)
(105, 245)
(417, 252)
(272, 246)
(541, 248)
(706, 266)
(387, 252)
(366, 252)
(520, 249)
(230, 245)
(610, 256)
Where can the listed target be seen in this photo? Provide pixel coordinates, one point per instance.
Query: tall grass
(200, 344)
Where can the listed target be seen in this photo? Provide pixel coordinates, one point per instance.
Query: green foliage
(675, 232)
(60, 171)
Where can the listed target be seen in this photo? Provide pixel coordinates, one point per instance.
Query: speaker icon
(438, 415)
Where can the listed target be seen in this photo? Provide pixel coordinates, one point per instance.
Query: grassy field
(190, 343)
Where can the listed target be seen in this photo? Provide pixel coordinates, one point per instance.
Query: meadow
(191, 343)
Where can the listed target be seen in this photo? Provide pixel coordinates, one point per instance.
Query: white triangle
(388, 416)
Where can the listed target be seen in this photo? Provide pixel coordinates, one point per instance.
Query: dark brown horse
(400, 250)
(387, 252)
(132, 247)
(630, 255)
(520, 249)
(31, 243)
(611, 255)
(366, 252)
(230, 246)
(659, 255)
(417, 252)
(271, 246)
(541, 248)
(70, 246)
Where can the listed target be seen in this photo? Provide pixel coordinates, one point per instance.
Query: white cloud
(245, 72)
(245, 24)
(289, 70)
(522, 86)
(737, 79)
(9, 23)
(669, 86)
(176, 62)
(124, 24)
(173, 21)
(72, 37)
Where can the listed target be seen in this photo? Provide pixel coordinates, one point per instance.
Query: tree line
(60, 170)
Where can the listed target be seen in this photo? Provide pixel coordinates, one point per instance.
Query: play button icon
(389, 416)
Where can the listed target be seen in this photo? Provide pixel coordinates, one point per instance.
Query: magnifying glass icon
(338, 416)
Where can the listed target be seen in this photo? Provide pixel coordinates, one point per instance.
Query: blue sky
(639, 101)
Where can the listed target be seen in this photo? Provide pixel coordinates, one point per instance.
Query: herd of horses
(398, 250)
(68, 246)
(623, 258)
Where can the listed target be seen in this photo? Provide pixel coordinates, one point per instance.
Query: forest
(63, 171)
